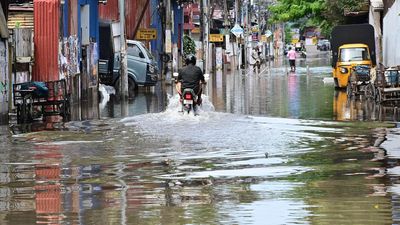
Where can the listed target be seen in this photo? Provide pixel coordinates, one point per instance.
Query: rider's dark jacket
(190, 77)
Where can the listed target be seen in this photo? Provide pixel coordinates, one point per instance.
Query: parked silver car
(142, 68)
(142, 65)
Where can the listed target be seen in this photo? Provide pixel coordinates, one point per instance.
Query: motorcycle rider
(191, 76)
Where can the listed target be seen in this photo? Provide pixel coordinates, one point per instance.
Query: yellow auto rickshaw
(353, 47)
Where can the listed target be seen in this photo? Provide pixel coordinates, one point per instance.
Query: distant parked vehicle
(324, 45)
(299, 46)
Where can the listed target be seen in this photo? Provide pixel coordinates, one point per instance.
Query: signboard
(196, 30)
(255, 29)
(218, 58)
(254, 36)
(146, 34)
(264, 38)
(294, 40)
(216, 38)
(228, 45)
(237, 30)
(268, 33)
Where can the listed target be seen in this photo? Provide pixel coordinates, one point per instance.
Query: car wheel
(132, 88)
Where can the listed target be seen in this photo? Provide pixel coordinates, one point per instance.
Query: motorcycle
(189, 101)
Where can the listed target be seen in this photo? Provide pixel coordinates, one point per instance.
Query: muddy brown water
(267, 149)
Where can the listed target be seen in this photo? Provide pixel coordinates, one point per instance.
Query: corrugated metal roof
(21, 19)
(21, 7)
(133, 9)
(109, 11)
(20, 16)
(46, 30)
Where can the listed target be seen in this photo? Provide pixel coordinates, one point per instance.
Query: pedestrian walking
(292, 59)
(254, 60)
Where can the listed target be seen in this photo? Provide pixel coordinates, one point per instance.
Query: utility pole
(246, 34)
(204, 30)
(238, 54)
(206, 33)
(226, 22)
(123, 68)
(168, 41)
(226, 32)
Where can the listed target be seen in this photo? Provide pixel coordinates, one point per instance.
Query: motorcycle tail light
(188, 96)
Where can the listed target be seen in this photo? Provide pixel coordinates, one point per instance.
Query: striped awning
(20, 16)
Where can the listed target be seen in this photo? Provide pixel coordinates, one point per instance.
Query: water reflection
(47, 186)
(295, 95)
(304, 94)
(361, 109)
(239, 167)
(148, 170)
(146, 100)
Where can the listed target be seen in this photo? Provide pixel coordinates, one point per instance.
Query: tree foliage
(322, 13)
(292, 10)
(288, 34)
(189, 47)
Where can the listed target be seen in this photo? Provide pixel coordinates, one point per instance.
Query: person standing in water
(292, 59)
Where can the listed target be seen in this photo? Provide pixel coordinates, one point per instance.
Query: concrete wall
(391, 37)
(3, 82)
(375, 21)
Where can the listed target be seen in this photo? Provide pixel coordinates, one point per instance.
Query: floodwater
(273, 148)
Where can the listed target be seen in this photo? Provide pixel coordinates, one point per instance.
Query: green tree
(189, 47)
(322, 13)
(293, 10)
(288, 35)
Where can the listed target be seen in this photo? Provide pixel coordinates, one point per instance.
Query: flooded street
(273, 148)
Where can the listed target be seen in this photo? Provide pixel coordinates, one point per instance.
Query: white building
(390, 36)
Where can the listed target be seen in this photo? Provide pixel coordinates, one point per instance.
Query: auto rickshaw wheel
(378, 96)
(336, 83)
(348, 90)
(351, 90)
(369, 91)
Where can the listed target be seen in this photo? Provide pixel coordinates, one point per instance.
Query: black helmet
(190, 59)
